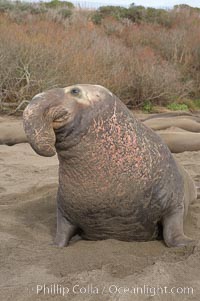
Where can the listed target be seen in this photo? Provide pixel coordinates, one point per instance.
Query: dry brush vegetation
(142, 62)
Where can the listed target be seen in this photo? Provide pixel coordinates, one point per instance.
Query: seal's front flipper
(173, 230)
(65, 230)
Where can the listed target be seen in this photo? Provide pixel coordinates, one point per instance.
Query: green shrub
(5, 5)
(20, 8)
(147, 107)
(135, 13)
(96, 18)
(65, 13)
(177, 106)
(193, 104)
(197, 103)
(117, 12)
(57, 3)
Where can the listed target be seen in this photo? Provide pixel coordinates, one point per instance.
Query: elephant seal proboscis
(117, 178)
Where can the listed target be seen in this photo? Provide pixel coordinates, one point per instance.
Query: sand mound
(179, 140)
(12, 131)
(180, 131)
(179, 122)
(96, 271)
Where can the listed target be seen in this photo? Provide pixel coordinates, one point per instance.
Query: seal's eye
(75, 91)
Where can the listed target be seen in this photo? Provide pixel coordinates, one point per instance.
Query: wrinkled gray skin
(117, 179)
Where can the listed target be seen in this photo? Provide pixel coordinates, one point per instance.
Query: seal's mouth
(60, 119)
(65, 126)
(63, 130)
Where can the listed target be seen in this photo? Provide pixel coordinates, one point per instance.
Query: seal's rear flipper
(65, 230)
(173, 230)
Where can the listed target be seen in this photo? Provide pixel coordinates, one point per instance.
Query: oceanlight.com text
(110, 289)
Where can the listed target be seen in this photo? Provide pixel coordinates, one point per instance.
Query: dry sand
(28, 260)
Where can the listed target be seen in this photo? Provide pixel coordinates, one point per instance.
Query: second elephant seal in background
(117, 178)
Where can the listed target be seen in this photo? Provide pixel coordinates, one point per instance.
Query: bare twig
(19, 107)
(9, 104)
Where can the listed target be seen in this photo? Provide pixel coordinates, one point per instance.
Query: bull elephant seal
(117, 178)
